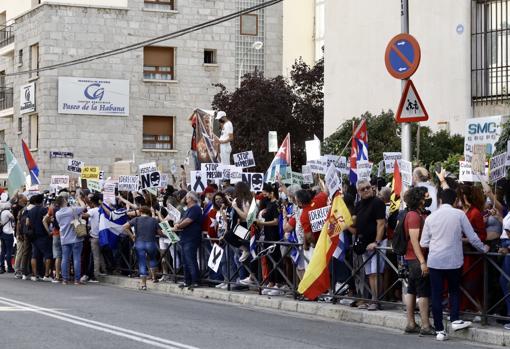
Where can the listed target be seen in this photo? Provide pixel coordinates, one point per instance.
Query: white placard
(215, 258)
(60, 181)
(467, 175)
(164, 180)
(147, 168)
(198, 181)
(482, 131)
(93, 185)
(497, 167)
(173, 213)
(244, 159)
(389, 161)
(254, 179)
(342, 165)
(212, 171)
(331, 159)
(313, 150)
(317, 166)
(75, 166)
(150, 180)
(272, 139)
(109, 191)
(236, 175)
(406, 171)
(128, 183)
(363, 170)
(27, 98)
(333, 183)
(318, 217)
(93, 96)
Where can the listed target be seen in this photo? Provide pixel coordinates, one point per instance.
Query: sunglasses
(365, 189)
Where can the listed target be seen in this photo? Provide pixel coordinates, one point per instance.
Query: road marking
(96, 325)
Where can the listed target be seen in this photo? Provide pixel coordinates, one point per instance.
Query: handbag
(359, 247)
(241, 232)
(80, 227)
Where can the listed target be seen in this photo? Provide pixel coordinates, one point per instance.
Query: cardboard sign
(363, 170)
(198, 181)
(150, 180)
(389, 161)
(318, 217)
(173, 213)
(406, 171)
(236, 175)
(226, 172)
(212, 171)
(497, 167)
(75, 166)
(333, 183)
(128, 183)
(244, 159)
(93, 185)
(88, 172)
(168, 231)
(215, 258)
(60, 181)
(255, 180)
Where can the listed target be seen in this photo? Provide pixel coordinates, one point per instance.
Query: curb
(389, 319)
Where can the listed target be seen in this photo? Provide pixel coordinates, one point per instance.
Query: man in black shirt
(369, 221)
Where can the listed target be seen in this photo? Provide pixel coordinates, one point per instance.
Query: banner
(128, 183)
(173, 213)
(75, 166)
(147, 168)
(479, 158)
(318, 217)
(297, 178)
(206, 150)
(244, 159)
(150, 180)
(317, 166)
(236, 175)
(467, 175)
(342, 165)
(88, 172)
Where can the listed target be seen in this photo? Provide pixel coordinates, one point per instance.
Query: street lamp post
(257, 45)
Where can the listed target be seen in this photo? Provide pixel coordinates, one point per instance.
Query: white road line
(96, 325)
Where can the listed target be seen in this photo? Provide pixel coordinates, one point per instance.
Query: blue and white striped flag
(253, 246)
(342, 247)
(294, 253)
(110, 226)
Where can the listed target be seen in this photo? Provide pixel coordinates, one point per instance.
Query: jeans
(189, 258)
(7, 243)
(437, 277)
(74, 249)
(151, 249)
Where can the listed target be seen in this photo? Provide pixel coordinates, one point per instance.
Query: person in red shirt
(309, 203)
(417, 199)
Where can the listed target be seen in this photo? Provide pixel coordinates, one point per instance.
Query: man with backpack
(417, 200)
(41, 242)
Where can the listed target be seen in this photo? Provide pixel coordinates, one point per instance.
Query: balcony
(6, 40)
(6, 103)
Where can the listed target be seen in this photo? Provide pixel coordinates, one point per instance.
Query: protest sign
(164, 180)
(389, 161)
(380, 168)
(60, 181)
(89, 172)
(212, 171)
(147, 168)
(333, 183)
(150, 180)
(226, 171)
(342, 165)
(236, 174)
(128, 183)
(93, 185)
(109, 191)
(497, 167)
(198, 181)
(331, 159)
(297, 178)
(215, 258)
(363, 170)
(479, 158)
(507, 163)
(75, 166)
(272, 139)
(318, 217)
(313, 150)
(255, 180)
(169, 232)
(406, 171)
(467, 175)
(102, 176)
(317, 166)
(244, 159)
(485, 131)
(307, 174)
(173, 213)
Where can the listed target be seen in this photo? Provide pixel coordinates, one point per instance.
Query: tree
(260, 105)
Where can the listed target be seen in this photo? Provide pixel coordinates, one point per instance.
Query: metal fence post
(485, 289)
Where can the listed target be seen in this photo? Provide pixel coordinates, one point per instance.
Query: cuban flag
(110, 226)
(359, 149)
(294, 253)
(341, 248)
(32, 166)
(281, 162)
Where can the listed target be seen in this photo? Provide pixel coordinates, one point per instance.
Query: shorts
(418, 284)
(57, 247)
(371, 265)
(41, 247)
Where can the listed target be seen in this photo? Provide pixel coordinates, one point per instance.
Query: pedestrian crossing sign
(411, 108)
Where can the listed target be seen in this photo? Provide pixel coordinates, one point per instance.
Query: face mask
(428, 202)
(206, 200)
(282, 196)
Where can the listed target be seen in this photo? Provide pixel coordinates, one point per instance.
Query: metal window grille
(489, 51)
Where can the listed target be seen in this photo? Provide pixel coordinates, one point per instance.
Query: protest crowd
(352, 243)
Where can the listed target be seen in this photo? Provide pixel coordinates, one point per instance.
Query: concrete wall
(356, 79)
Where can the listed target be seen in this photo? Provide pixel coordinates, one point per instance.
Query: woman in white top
(6, 234)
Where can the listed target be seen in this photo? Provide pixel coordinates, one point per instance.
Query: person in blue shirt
(190, 227)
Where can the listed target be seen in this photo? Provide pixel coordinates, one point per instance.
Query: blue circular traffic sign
(402, 56)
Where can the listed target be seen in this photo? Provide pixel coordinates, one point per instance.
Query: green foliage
(503, 138)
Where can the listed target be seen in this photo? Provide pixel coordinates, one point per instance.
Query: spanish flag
(316, 279)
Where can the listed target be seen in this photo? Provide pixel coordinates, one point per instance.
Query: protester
(442, 235)
(6, 234)
(42, 241)
(421, 178)
(93, 214)
(227, 136)
(23, 243)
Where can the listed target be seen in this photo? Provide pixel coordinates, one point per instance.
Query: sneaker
(225, 286)
(373, 307)
(460, 324)
(340, 289)
(25, 277)
(348, 302)
(247, 281)
(94, 281)
(412, 329)
(275, 292)
(427, 332)
(56, 281)
(184, 285)
(477, 318)
(18, 275)
(265, 292)
(164, 278)
(507, 326)
(441, 336)
(244, 256)
(84, 278)
(35, 278)
(47, 279)
(220, 285)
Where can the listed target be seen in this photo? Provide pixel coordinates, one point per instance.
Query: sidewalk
(388, 318)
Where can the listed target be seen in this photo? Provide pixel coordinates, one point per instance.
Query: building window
(158, 63)
(250, 24)
(489, 50)
(164, 5)
(33, 60)
(210, 56)
(158, 132)
(20, 58)
(20, 125)
(33, 131)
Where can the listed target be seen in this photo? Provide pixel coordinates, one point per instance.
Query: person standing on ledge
(226, 136)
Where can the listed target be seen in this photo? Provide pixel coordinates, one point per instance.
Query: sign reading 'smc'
(487, 127)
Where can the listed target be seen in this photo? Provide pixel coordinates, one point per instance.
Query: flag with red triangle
(281, 164)
(396, 189)
(32, 166)
(359, 149)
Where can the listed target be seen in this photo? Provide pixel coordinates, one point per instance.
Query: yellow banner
(90, 173)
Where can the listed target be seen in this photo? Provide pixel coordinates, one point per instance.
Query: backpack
(26, 228)
(400, 238)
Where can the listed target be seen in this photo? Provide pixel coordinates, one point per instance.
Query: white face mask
(206, 200)
(282, 196)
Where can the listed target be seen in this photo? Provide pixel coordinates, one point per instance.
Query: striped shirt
(442, 234)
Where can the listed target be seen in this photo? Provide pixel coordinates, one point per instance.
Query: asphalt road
(53, 316)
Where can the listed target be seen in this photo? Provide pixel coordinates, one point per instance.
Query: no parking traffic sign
(402, 56)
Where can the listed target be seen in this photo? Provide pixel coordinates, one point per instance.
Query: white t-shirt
(94, 222)
(6, 219)
(225, 132)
